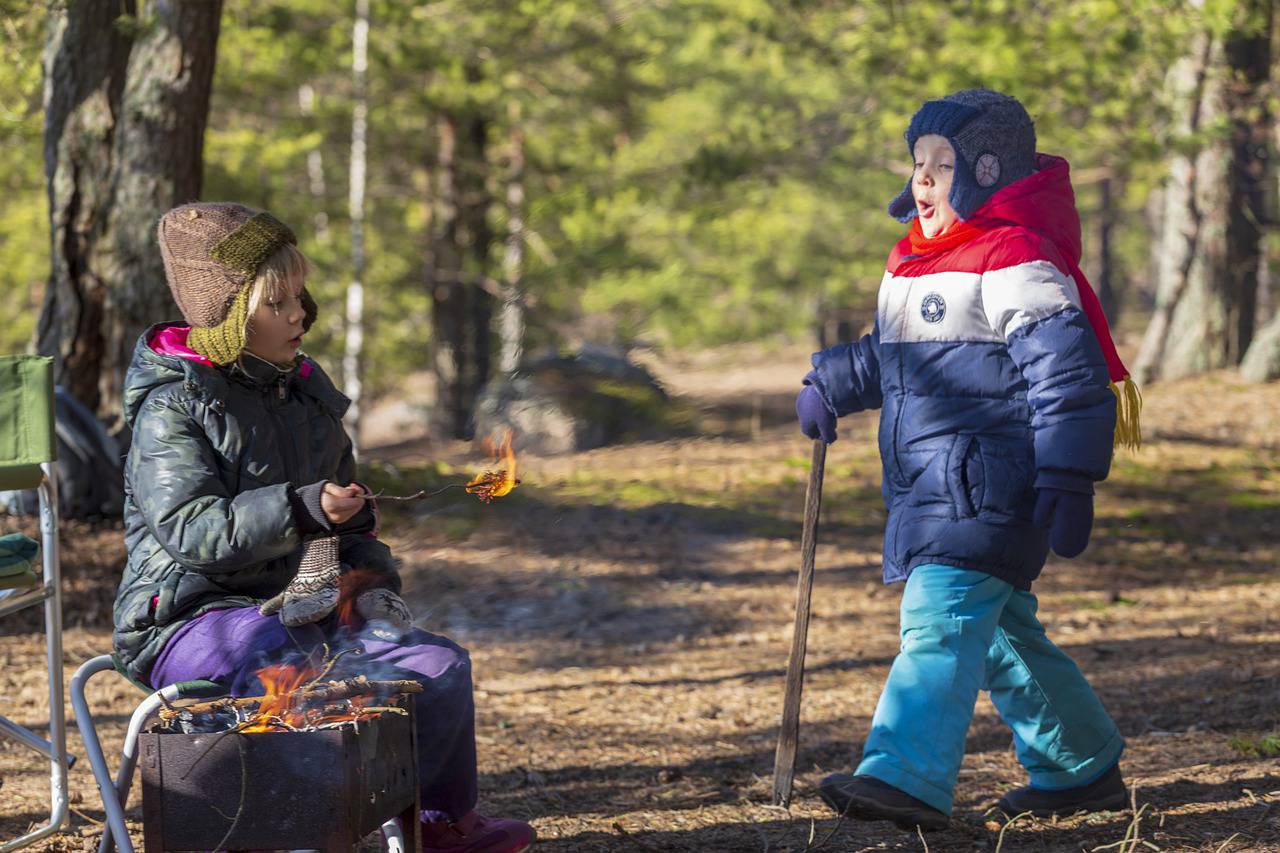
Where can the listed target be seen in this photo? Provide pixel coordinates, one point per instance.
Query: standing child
(998, 380)
(240, 511)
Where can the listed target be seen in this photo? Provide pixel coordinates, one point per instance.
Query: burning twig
(328, 692)
(328, 667)
(491, 484)
(421, 494)
(487, 485)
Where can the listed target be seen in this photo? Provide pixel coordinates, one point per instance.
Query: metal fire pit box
(322, 790)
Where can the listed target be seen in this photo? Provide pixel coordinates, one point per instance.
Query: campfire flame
(284, 707)
(490, 484)
(351, 584)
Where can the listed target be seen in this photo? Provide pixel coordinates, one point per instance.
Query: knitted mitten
(313, 592)
(385, 611)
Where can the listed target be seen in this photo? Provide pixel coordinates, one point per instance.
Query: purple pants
(229, 646)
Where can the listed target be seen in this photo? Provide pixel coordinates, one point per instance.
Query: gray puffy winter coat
(213, 515)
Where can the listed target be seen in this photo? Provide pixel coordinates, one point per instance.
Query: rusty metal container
(321, 790)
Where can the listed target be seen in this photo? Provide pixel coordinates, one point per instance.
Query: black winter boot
(1104, 794)
(867, 798)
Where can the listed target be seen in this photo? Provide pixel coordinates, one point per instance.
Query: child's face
(275, 329)
(931, 183)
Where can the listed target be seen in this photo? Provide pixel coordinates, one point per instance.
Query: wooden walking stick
(784, 761)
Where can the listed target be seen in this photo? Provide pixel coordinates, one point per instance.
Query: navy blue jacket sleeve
(1073, 411)
(848, 375)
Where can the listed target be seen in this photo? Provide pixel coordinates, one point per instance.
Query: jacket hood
(161, 357)
(1043, 202)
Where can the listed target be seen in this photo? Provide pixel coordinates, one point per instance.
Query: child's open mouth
(925, 209)
(295, 342)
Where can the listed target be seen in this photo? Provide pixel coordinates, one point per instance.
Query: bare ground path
(628, 612)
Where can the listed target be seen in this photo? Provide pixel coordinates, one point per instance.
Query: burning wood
(488, 485)
(294, 701)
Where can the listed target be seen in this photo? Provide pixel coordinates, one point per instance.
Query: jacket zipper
(897, 425)
(282, 433)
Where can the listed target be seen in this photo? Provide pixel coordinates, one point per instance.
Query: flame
(490, 484)
(351, 585)
(279, 682)
(282, 708)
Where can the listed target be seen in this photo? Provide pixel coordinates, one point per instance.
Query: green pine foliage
(696, 172)
(24, 241)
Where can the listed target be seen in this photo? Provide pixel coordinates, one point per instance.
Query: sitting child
(240, 505)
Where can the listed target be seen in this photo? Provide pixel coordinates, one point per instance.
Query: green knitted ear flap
(223, 343)
(245, 248)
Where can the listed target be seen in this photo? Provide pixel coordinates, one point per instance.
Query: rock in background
(561, 404)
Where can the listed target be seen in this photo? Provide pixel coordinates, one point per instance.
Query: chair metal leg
(393, 837)
(93, 748)
(26, 737)
(129, 754)
(57, 743)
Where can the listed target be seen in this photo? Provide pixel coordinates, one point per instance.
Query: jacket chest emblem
(933, 308)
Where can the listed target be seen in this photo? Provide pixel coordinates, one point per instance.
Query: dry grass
(629, 609)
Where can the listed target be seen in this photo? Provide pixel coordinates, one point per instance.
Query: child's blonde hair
(283, 274)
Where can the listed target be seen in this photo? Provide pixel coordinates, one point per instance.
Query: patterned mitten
(384, 611)
(313, 592)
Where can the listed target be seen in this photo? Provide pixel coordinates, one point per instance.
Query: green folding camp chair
(28, 449)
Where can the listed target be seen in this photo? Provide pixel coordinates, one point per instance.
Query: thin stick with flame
(486, 485)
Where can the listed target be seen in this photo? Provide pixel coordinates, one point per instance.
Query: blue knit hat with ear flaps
(994, 141)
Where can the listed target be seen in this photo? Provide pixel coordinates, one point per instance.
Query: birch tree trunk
(355, 290)
(511, 318)
(315, 168)
(125, 116)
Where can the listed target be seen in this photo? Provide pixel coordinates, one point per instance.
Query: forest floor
(629, 615)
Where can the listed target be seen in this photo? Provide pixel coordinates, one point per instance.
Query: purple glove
(816, 420)
(1068, 517)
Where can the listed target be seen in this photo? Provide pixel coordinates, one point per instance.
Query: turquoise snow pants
(964, 631)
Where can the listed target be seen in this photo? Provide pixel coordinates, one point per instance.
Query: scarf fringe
(1128, 413)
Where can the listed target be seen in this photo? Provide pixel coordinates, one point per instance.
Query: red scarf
(963, 232)
(1129, 400)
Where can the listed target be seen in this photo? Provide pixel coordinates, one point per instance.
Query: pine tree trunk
(462, 306)
(85, 58)
(1188, 323)
(124, 135)
(1248, 55)
(1103, 278)
(1262, 361)
(1206, 308)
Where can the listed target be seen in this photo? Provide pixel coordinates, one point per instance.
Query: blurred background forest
(542, 200)
(507, 179)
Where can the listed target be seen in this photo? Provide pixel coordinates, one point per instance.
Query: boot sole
(861, 808)
(1115, 803)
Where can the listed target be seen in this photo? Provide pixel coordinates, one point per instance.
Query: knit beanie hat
(212, 252)
(994, 141)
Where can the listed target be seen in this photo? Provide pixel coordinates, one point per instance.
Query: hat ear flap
(966, 196)
(309, 310)
(903, 206)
